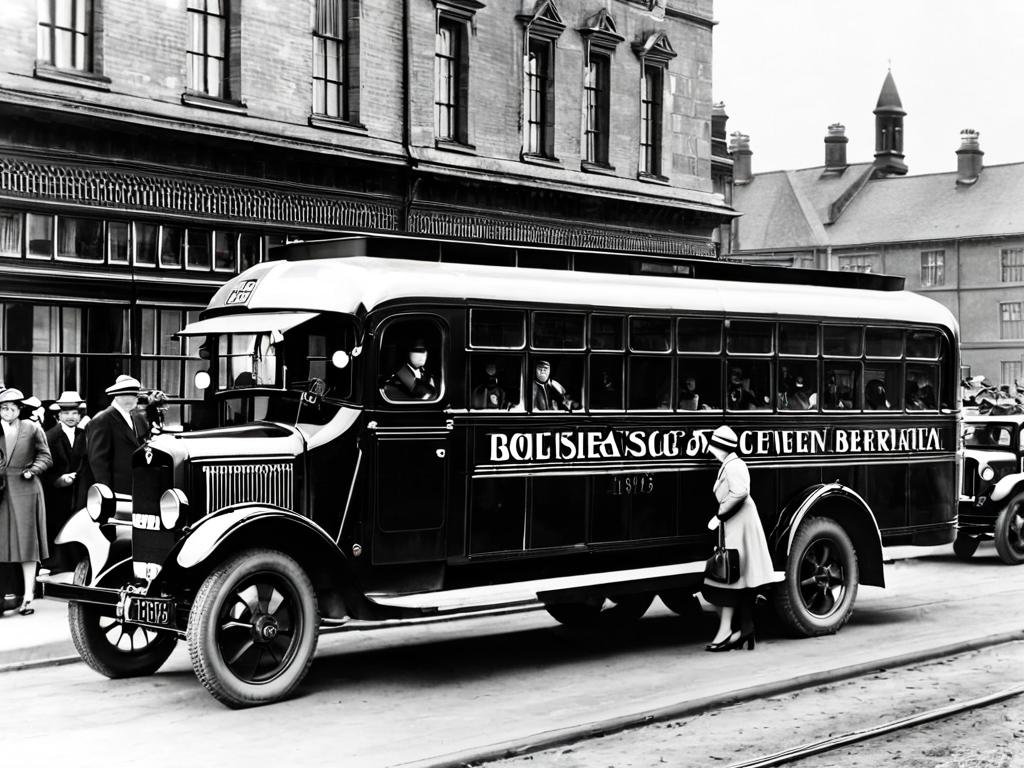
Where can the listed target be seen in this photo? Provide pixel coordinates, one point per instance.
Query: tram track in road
(783, 724)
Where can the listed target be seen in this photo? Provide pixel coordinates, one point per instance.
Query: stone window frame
(654, 52)
(541, 31)
(933, 268)
(600, 40)
(458, 17)
(228, 99)
(342, 27)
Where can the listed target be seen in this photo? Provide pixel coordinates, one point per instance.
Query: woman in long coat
(22, 509)
(742, 526)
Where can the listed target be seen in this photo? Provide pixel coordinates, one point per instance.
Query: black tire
(964, 546)
(1009, 531)
(682, 602)
(820, 588)
(252, 632)
(110, 647)
(612, 610)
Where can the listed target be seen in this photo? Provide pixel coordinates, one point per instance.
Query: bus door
(410, 442)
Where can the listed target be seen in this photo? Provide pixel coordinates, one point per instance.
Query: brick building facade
(150, 150)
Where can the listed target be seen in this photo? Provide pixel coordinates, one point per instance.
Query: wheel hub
(265, 628)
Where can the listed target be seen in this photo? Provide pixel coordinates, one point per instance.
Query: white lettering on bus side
(675, 443)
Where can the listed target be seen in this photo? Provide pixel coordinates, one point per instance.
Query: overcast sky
(786, 69)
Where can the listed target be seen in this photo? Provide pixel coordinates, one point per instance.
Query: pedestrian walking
(737, 513)
(63, 494)
(112, 436)
(26, 456)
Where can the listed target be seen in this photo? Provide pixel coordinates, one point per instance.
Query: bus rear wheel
(252, 631)
(817, 595)
(113, 648)
(1009, 531)
(617, 608)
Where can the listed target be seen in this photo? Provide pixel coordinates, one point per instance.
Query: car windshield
(989, 436)
(298, 376)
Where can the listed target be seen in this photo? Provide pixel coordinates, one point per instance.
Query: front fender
(1006, 486)
(215, 536)
(101, 543)
(848, 508)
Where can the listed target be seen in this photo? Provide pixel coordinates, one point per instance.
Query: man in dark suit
(112, 437)
(63, 494)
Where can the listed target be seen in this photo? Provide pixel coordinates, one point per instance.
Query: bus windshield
(262, 373)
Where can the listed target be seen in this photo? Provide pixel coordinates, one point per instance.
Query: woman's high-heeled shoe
(747, 639)
(724, 645)
(26, 608)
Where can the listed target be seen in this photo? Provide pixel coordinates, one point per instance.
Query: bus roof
(347, 284)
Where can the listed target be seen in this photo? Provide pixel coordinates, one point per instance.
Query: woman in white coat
(743, 532)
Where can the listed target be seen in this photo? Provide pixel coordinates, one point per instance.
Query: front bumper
(124, 605)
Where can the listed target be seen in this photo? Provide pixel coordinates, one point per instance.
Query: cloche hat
(11, 395)
(725, 438)
(68, 400)
(125, 385)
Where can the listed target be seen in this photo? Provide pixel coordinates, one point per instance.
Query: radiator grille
(268, 483)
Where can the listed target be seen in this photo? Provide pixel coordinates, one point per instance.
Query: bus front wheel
(1009, 531)
(252, 630)
(817, 595)
(111, 647)
(612, 609)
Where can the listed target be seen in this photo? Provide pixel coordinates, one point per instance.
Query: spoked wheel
(252, 632)
(113, 648)
(1009, 531)
(820, 587)
(964, 546)
(612, 609)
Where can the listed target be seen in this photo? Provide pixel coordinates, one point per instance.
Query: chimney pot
(969, 157)
(835, 147)
(739, 147)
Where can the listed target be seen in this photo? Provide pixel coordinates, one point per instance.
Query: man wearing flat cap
(63, 494)
(112, 437)
(548, 394)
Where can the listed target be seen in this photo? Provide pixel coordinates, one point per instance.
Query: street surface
(427, 694)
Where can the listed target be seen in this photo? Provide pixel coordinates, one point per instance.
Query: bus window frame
(622, 332)
(444, 338)
(532, 329)
(645, 316)
(469, 328)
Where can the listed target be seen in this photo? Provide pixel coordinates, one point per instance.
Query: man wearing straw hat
(112, 437)
(63, 495)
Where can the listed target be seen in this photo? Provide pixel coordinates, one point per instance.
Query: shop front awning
(251, 322)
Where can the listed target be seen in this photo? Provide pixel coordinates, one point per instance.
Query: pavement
(44, 638)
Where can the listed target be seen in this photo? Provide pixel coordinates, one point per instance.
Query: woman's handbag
(724, 565)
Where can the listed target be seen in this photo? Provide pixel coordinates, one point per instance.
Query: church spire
(889, 114)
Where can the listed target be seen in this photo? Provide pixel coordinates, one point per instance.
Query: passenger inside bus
(689, 398)
(489, 394)
(548, 394)
(604, 395)
(742, 396)
(795, 397)
(920, 393)
(412, 381)
(875, 396)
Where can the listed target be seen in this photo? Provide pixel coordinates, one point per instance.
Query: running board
(523, 592)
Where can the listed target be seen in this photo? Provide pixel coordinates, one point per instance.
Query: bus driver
(413, 381)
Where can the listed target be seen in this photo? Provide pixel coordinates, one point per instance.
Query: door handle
(440, 453)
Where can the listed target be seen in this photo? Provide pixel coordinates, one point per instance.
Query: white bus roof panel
(253, 322)
(343, 284)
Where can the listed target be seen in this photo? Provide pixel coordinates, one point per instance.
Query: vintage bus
(402, 436)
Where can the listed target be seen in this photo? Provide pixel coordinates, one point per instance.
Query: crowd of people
(45, 475)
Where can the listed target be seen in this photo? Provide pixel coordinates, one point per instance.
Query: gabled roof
(791, 209)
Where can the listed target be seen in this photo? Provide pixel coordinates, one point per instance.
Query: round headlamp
(172, 503)
(100, 502)
(986, 473)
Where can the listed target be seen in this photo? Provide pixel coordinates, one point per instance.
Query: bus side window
(496, 382)
(749, 385)
(605, 393)
(841, 391)
(411, 360)
(883, 387)
(555, 382)
(798, 385)
(700, 384)
(921, 387)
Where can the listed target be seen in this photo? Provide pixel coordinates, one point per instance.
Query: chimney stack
(739, 146)
(835, 148)
(968, 157)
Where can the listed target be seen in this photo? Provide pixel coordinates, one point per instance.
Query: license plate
(150, 610)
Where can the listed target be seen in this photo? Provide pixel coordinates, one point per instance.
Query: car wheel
(1009, 531)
